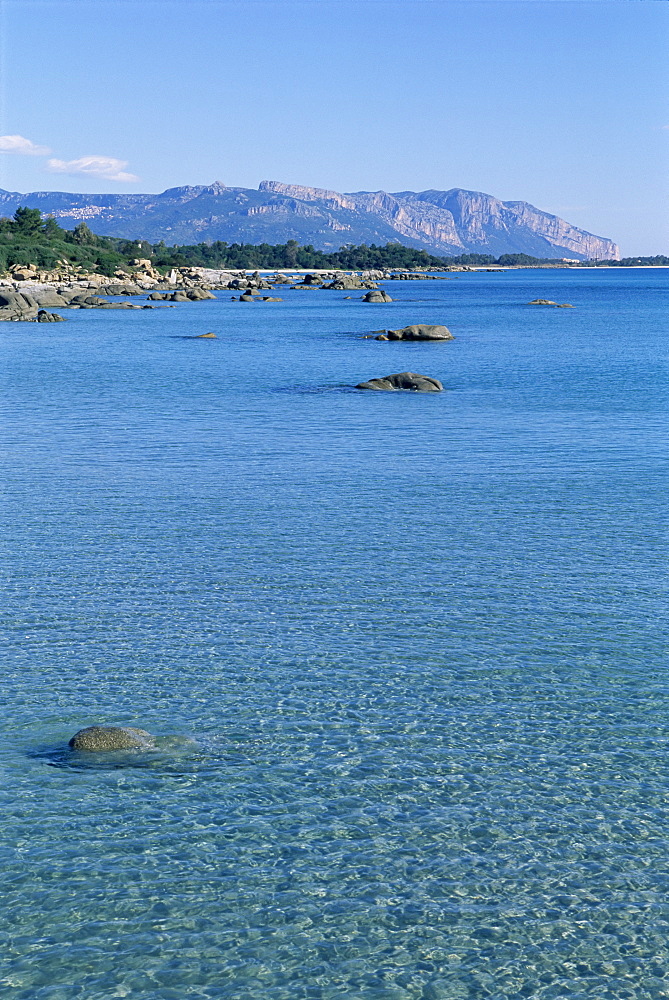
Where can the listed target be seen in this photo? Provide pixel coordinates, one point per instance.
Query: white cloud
(106, 167)
(21, 146)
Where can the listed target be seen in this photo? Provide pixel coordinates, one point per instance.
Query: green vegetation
(28, 238)
(291, 254)
(659, 261)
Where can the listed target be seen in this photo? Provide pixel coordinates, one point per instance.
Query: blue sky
(561, 103)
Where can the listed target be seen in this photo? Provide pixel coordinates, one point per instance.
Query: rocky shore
(28, 293)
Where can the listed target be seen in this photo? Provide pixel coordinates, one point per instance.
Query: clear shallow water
(403, 653)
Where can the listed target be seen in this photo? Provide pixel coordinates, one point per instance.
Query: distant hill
(447, 223)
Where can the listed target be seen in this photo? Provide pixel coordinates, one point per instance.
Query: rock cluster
(254, 297)
(349, 283)
(411, 381)
(419, 331)
(46, 317)
(182, 295)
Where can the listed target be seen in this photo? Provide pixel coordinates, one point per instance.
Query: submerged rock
(403, 380)
(102, 738)
(549, 302)
(419, 331)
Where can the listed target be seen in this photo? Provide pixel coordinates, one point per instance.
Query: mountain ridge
(447, 222)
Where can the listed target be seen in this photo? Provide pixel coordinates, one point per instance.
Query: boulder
(246, 297)
(542, 302)
(23, 272)
(104, 738)
(271, 298)
(419, 331)
(49, 298)
(88, 300)
(17, 306)
(377, 295)
(348, 283)
(403, 380)
(195, 294)
(46, 317)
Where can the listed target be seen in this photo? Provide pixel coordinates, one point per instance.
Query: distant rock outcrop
(411, 381)
(549, 302)
(419, 331)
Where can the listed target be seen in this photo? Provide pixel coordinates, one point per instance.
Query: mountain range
(447, 223)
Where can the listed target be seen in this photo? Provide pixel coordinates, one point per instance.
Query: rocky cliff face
(441, 222)
(458, 221)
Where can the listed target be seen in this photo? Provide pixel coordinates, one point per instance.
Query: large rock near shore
(17, 306)
(49, 298)
(103, 738)
(403, 380)
(419, 331)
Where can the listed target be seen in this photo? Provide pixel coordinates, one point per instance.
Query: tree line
(29, 238)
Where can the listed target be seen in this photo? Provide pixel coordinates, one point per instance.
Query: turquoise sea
(404, 653)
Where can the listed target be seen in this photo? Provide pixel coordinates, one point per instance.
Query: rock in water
(377, 295)
(419, 331)
(46, 317)
(403, 380)
(101, 738)
(206, 336)
(542, 302)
